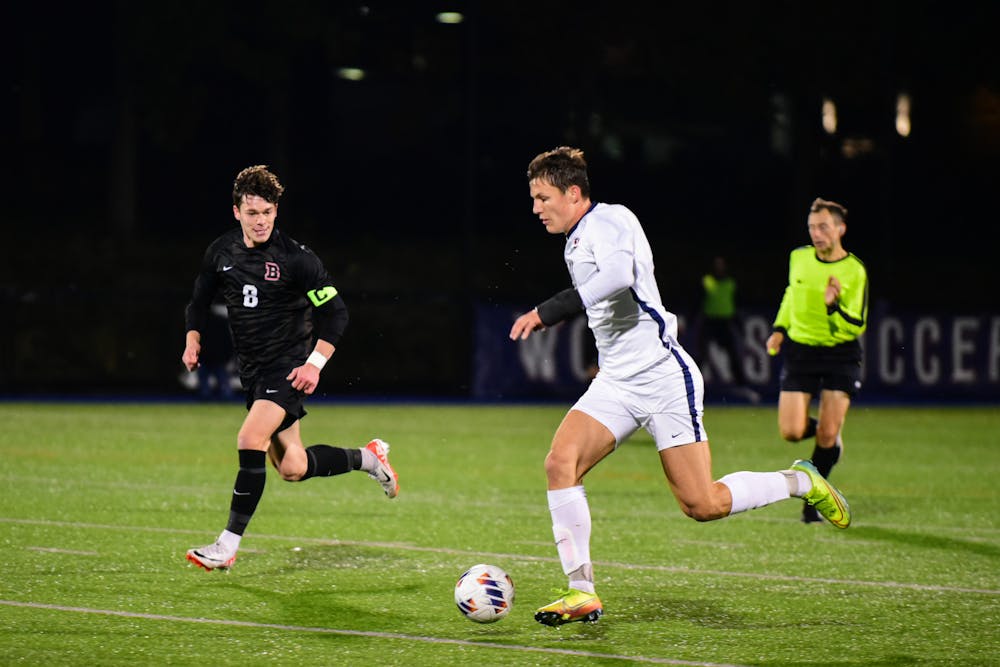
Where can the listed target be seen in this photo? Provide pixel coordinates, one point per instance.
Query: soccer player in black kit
(286, 317)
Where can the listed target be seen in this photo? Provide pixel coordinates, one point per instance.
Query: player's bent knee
(290, 473)
(826, 437)
(554, 463)
(791, 434)
(702, 516)
(249, 441)
(560, 469)
(704, 511)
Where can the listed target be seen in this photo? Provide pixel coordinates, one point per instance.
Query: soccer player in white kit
(646, 379)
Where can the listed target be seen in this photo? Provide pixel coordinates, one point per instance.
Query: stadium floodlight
(903, 126)
(829, 116)
(350, 73)
(450, 18)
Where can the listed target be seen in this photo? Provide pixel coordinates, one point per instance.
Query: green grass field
(100, 502)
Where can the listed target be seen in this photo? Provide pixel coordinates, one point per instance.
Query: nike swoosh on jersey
(226, 268)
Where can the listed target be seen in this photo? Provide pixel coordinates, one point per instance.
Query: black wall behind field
(124, 128)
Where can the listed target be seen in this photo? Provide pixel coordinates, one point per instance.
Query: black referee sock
(810, 429)
(248, 489)
(824, 459)
(326, 461)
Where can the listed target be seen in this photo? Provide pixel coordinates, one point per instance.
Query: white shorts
(667, 400)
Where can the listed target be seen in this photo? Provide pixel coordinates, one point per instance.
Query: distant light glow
(450, 18)
(829, 116)
(351, 73)
(903, 126)
(855, 147)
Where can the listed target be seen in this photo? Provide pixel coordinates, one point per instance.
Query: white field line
(405, 546)
(361, 633)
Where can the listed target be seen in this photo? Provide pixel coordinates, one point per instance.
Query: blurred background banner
(926, 357)
(554, 363)
(402, 132)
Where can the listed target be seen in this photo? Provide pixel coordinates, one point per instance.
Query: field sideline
(100, 502)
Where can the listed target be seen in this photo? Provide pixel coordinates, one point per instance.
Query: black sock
(824, 458)
(248, 489)
(810, 429)
(326, 461)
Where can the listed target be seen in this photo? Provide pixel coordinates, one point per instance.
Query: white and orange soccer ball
(484, 593)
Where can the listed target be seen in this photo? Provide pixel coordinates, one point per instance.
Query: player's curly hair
(838, 211)
(561, 167)
(257, 180)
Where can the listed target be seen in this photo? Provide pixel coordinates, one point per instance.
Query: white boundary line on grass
(546, 559)
(363, 633)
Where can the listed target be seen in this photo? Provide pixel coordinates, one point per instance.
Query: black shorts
(272, 386)
(810, 369)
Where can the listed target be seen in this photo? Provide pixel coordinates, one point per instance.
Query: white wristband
(317, 360)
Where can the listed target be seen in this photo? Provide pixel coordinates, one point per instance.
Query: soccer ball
(484, 593)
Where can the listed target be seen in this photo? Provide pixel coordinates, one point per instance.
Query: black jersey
(270, 291)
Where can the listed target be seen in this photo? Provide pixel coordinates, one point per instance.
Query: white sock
(799, 483)
(571, 528)
(755, 489)
(368, 460)
(582, 578)
(230, 540)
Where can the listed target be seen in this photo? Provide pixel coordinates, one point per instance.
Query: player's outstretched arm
(305, 378)
(550, 312)
(525, 324)
(774, 342)
(192, 350)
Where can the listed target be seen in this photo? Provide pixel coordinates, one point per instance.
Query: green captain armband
(321, 295)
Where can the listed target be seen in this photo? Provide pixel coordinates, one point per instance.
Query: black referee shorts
(810, 369)
(272, 386)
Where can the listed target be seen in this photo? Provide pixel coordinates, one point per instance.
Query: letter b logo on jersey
(271, 271)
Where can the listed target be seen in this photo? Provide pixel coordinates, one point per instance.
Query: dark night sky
(125, 124)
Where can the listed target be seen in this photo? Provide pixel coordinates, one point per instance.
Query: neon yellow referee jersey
(804, 316)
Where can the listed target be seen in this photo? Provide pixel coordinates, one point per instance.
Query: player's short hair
(836, 210)
(257, 180)
(561, 167)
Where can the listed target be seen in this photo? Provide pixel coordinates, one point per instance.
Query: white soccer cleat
(383, 473)
(213, 557)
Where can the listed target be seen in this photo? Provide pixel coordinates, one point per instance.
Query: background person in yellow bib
(718, 322)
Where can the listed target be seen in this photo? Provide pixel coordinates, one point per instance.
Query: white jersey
(611, 265)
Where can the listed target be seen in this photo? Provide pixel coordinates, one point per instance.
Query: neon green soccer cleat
(827, 500)
(573, 606)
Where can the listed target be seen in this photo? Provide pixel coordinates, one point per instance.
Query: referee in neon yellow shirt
(823, 312)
